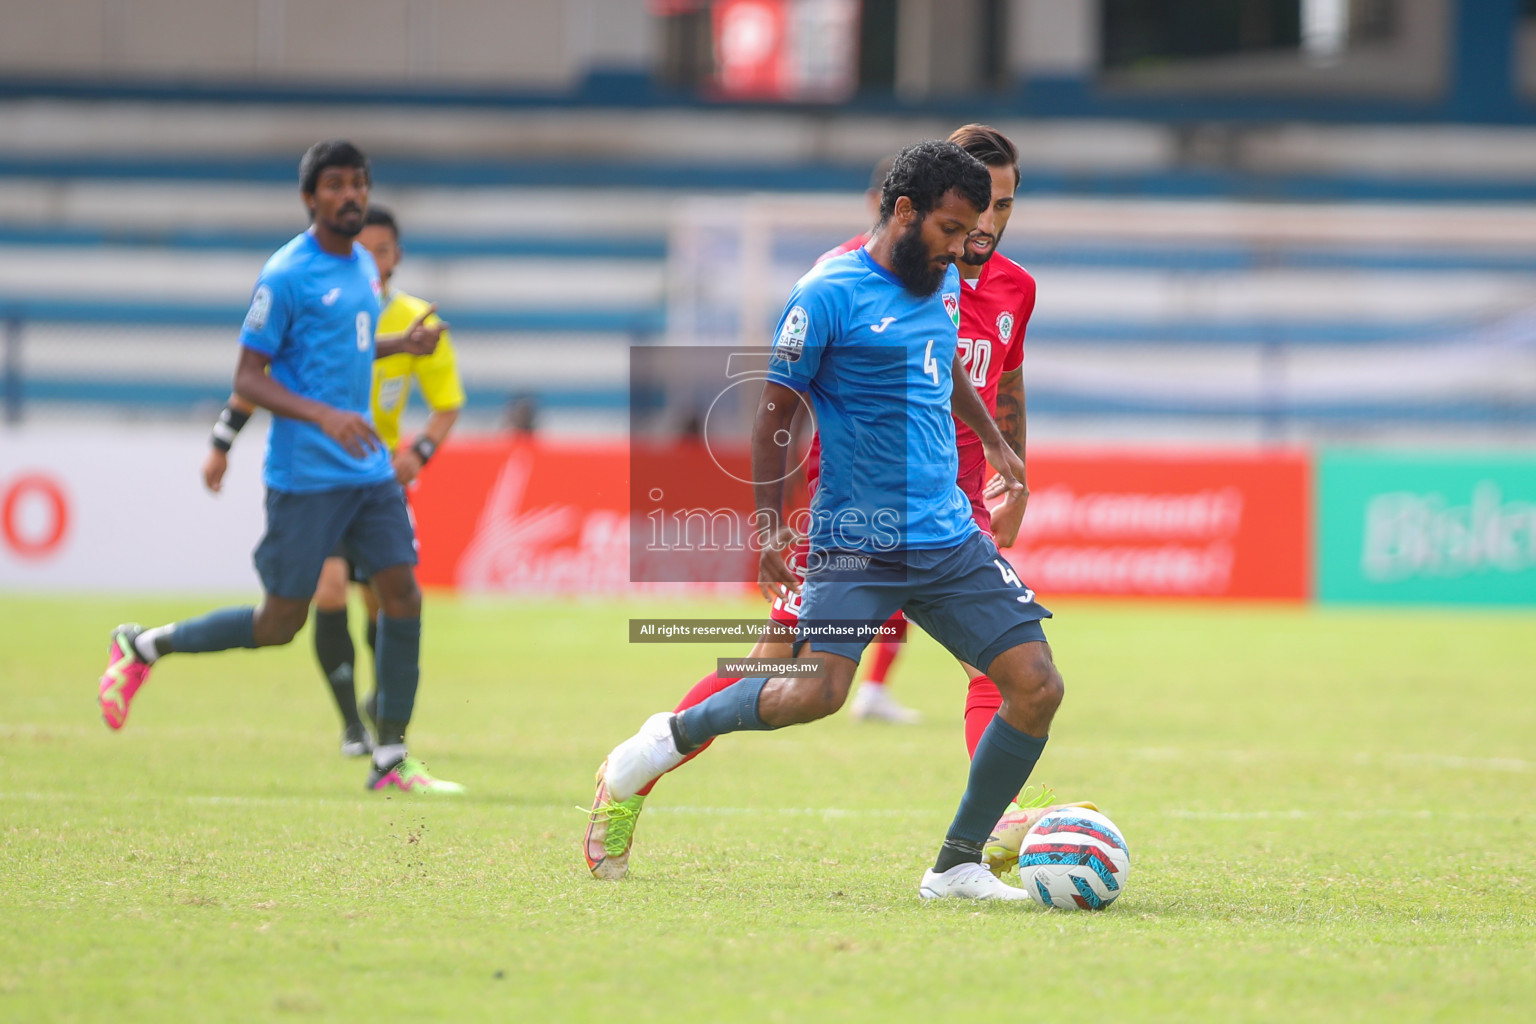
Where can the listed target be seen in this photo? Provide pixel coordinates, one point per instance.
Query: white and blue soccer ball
(1075, 859)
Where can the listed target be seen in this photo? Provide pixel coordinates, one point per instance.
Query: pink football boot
(126, 672)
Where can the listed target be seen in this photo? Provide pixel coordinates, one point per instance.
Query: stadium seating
(123, 276)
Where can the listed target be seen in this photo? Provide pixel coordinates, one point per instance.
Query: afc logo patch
(791, 340)
(1004, 326)
(261, 306)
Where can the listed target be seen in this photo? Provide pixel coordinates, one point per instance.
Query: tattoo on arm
(1008, 416)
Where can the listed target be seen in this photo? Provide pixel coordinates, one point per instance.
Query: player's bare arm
(770, 451)
(255, 385)
(1008, 515)
(409, 461)
(216, 462)
(419, 339)
(972, 411)
(1010, 408)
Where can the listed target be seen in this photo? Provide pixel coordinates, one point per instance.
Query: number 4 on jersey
(930, 364)
(1012, 579)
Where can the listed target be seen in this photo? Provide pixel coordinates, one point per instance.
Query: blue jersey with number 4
(876, 361)
(314, 313)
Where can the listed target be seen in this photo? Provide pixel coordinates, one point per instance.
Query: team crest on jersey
(791, 340)
(1004, 326)
(952, 307)
(261, 305)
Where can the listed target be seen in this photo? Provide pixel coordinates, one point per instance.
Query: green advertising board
(1432, 529)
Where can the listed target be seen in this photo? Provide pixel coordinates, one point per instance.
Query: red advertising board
(519, 516)
(1167, 524)
(542, 517)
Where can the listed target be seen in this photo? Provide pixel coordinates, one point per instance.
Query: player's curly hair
(330, 153)
(925, 171)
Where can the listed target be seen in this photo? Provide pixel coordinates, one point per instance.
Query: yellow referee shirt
(438, 373)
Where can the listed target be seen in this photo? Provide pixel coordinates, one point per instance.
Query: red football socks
(981, 702)
(882, 657)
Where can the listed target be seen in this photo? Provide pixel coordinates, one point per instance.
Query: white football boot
(874, 703)
(648, 754)
(968, 881)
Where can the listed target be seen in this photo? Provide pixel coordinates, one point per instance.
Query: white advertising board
(113, 508)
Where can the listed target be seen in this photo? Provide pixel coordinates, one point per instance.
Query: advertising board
(1433, 529)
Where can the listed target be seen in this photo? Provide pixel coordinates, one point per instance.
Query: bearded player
(996, 301)
(997, 297)
(994, 308)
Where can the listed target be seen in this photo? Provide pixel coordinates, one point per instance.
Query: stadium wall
(86, 512)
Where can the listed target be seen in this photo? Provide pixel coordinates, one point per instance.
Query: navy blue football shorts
(368, 525)
(966, 597)
(355, 573)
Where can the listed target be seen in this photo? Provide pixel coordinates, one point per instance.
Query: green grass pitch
(1331, 813)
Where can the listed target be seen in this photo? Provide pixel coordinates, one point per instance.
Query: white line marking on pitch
(720, 812)
(1449, 761)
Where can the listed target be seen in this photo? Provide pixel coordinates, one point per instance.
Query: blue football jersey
(876, 361)
(314, 313)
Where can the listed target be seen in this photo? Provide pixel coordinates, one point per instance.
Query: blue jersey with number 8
(876, 360)
(314, 314)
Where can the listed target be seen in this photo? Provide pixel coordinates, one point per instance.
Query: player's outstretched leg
(1005, 756)
(666, 740)
(611, 823)
(399, 657)
(132, 649)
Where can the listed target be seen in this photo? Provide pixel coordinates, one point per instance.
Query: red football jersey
(994, 313)
(993, 316)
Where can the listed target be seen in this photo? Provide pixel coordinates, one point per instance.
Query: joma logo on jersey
(952, 307)
(791, 340)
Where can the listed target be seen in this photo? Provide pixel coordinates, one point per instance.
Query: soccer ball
(1075, 859)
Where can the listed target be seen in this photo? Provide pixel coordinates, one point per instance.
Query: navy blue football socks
(399, 669)
(336, 653)
(217, 631)
(1002, 763)
(733, 709)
